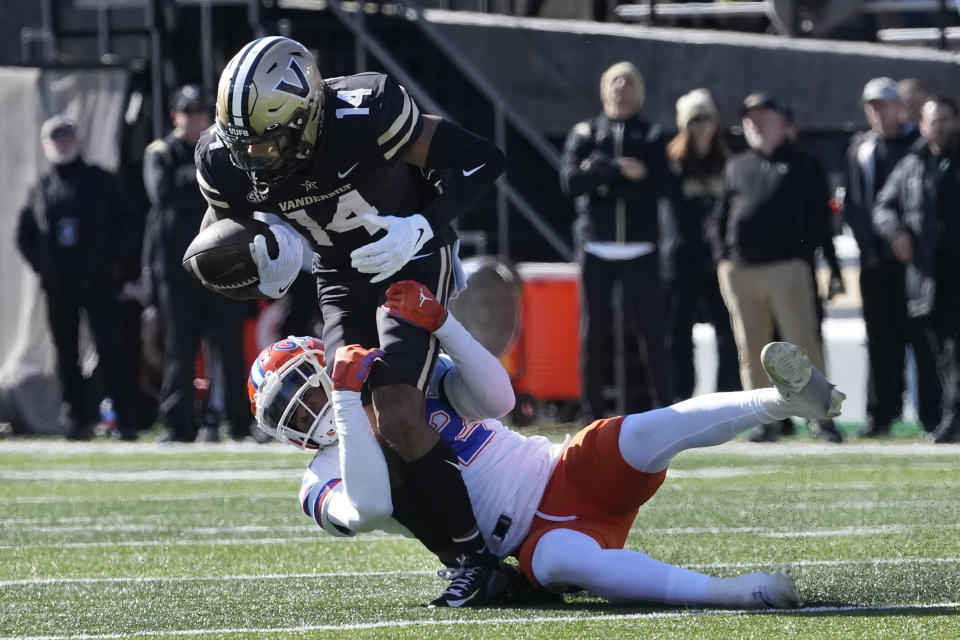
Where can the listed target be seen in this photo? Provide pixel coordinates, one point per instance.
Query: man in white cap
(616, 168)
(871, 157)
(77, 232)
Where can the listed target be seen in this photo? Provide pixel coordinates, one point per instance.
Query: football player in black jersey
(345, 162)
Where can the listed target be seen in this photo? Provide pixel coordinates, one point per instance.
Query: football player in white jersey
(564, 510)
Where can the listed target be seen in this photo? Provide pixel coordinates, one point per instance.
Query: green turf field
(104, 540)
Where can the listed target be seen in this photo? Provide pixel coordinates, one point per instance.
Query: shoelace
(460, 580)
(450, 574)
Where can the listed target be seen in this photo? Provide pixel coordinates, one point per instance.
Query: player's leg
(565, 558)
(648, 441)
(399, 381)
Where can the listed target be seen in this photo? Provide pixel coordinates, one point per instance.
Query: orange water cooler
(528, 315)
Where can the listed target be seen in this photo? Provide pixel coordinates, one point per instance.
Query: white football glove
(276, 275)
(386, 256)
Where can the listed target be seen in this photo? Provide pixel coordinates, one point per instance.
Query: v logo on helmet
(300, 89)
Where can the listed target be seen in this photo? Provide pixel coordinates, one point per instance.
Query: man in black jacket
(765, 229)
(615, 166)
(916, 212)
(79, 234)
(871, 157)
(187, 310)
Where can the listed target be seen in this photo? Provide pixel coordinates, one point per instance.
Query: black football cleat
(473, 584)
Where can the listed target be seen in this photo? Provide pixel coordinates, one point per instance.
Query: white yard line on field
(380, 574)
(216, 533)
(562, 618)
(765, 532)
(153, 475)
(318, 539)
(144, 498)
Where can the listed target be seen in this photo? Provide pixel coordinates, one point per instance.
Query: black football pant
(885, 319)
(189, 313)
(103, 314)
(643, 309)
(692, 296)
(947, 319)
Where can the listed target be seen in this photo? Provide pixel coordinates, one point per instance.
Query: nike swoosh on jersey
(344, 174)
(467, 174)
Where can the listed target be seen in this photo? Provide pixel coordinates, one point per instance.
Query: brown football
(220, 257)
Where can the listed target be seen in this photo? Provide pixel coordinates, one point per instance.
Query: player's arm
(477, 386)
(275, 274)
(468, 163)
(358, 499)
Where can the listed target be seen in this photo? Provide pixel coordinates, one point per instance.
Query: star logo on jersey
(309, 185)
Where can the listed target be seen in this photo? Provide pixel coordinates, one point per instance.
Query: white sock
(649, 441)
(737, 591)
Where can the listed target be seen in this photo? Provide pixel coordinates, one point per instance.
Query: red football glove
(412, 302)
(352, 366)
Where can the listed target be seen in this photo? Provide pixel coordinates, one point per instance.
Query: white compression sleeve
(648, 441)
(564, 558)
(365, 500)
(479, 387)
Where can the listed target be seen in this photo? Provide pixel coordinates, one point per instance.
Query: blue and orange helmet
(290, 393)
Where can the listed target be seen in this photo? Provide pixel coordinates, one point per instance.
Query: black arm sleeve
(469, 165)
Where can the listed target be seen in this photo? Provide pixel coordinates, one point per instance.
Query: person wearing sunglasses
(697, 154)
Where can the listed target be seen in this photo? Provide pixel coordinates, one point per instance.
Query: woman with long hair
(697, 155)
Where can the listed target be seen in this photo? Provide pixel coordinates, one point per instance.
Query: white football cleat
(807, 392)
(777, 591)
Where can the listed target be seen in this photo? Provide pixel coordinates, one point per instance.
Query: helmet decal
(301, 89)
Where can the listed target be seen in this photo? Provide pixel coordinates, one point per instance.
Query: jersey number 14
(351, 207)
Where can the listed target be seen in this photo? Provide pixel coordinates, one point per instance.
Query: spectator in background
(79, 234)
(914, 94)
(916, 212)
(773, 213)
(615, 166)
(188, 312)
(871, 157)
(697, 154)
